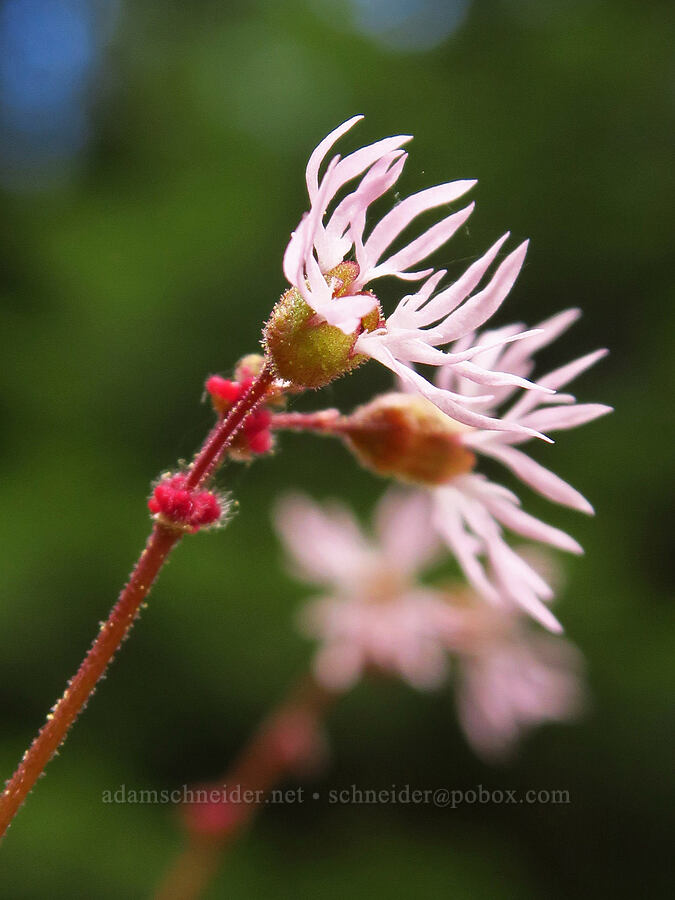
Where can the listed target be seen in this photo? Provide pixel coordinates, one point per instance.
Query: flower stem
(287, 738)
(161, 542)
(328, 421)
(80, 687)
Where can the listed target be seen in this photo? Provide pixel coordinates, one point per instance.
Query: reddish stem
(285, 739)
(161, 542)
(328, 421)
(80, 687)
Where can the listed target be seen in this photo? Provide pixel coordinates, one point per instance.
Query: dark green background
(152, 264)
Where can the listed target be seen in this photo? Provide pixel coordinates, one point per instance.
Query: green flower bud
(304, 349)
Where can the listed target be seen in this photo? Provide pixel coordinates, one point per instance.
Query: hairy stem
(283, 742)
(328, 421)
(161, 542)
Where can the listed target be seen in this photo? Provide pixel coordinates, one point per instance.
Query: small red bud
(260, 442)
(186, 509)
(224, 393)
(255, 436)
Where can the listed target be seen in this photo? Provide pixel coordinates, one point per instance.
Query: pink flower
(508, 675)
(470, 511)
(374, 615)
(510, 678)
(423, 322)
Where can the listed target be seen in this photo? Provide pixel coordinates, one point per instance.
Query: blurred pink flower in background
(509, 676)
(375, 615)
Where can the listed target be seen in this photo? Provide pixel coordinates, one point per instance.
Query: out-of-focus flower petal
(404, 532)
(513, 685)
(325, 542)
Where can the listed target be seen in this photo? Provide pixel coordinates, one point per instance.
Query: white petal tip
(402, 139)
(580, 504)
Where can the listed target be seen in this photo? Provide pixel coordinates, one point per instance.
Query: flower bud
(307, 351)
(255, 436)
(183, 508)
(224, 393)
(407, 437)
(249, 366)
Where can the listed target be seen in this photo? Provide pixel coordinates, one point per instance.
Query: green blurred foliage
(152, 264)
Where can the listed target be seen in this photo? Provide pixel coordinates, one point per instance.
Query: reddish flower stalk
(286, 739)
(161, 542)
(329, 421)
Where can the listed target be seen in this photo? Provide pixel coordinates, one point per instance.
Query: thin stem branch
(285, 739)
(161, 542)
(328, 421)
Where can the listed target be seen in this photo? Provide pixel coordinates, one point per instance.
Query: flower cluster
(330, 316)
(430, 434)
